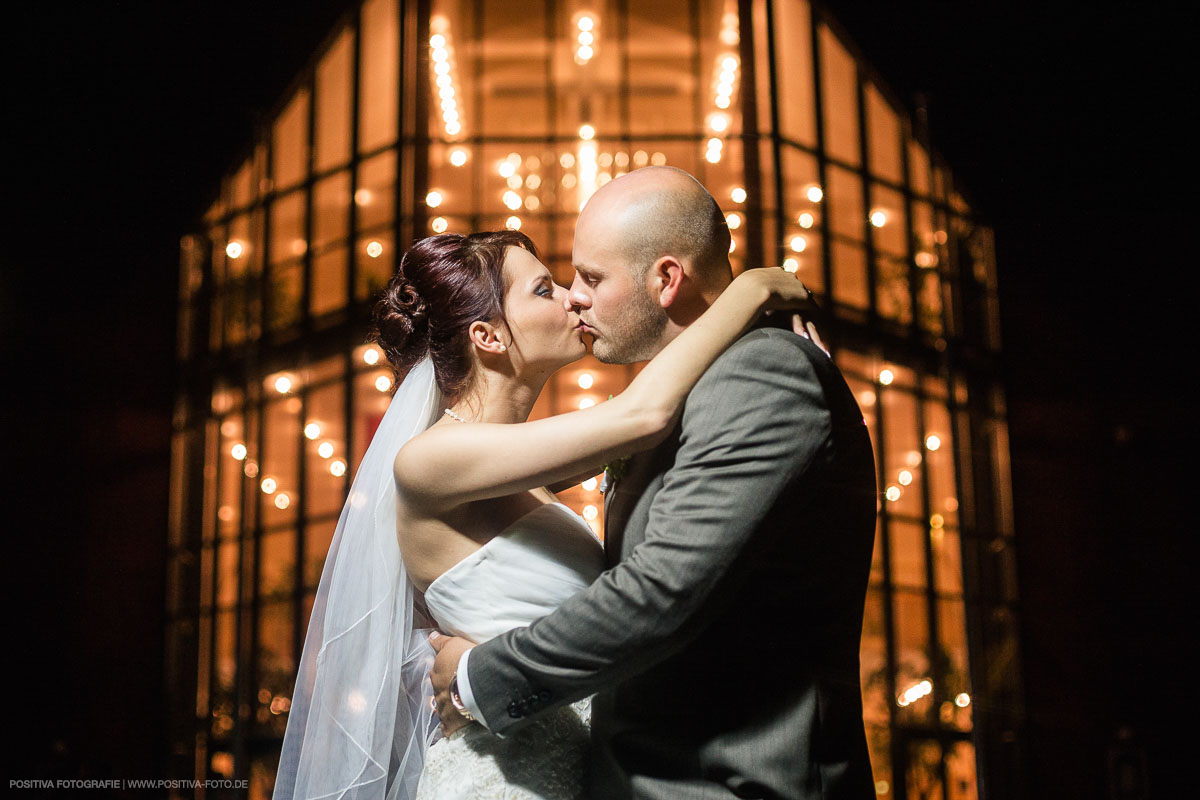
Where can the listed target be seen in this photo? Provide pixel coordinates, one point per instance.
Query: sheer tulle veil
(360, 719)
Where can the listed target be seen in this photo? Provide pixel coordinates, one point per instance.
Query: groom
(722, 643)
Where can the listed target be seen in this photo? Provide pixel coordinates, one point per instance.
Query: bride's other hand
(449, 650)
(777, 289)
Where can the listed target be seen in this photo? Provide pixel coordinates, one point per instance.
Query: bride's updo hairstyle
(444, 284)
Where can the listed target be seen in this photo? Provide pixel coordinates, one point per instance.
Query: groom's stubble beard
(635, 334)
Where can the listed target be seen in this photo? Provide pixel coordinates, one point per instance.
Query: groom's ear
(667, 276)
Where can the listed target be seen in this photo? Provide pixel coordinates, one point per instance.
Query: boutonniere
(613, 471)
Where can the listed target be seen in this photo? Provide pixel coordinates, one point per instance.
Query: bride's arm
(453, 464)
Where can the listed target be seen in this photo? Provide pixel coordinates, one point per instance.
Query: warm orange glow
(312, 430)
(962, 700)
(586, 380)
(438, 224)
(433, 199)
(806, 220)
(933, 442)
(798, 243)
(586, 132)
(738, 195)
(325, 449)
(892, 493)
(590, 484)
(791, 265)
(250, 469)
(937, 521)
(383, 383)
(337, 468)
(886, 376)
(590, 512)
(513, 223)
(814, 194)
(733, 221)
(238, 451)
(234, 249)
(268, 485)
(374, 249)
(283, 384)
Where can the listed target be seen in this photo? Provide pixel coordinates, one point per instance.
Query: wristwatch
(456, 700)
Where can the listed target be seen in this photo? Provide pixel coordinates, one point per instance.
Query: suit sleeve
(756, 421)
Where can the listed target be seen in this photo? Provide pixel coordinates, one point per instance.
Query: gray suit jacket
(723, 642)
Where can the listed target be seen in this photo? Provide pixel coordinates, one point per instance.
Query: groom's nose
(577, 297)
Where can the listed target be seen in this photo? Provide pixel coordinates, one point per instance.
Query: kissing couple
(472, 638)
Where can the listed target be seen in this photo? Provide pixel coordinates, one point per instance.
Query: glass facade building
(415, 118)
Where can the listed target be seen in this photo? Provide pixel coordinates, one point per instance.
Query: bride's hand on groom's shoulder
(445, 666)
(780, 289)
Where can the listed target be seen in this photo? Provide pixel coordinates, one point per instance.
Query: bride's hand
(776, 289)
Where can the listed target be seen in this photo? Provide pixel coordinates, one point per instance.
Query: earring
(503, 348)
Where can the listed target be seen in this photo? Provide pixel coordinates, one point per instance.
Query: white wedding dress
(523, 573)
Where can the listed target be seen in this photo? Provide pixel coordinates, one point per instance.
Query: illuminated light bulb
(238, 451)
(586, 380)
(374, 249)
(383, 383)
(937, 521)
(585, 53)
(729, 36)
(312, 430)
(513, 223)
(913, 459)
(882, 787)
(282, 501)
(299, 246)
(512, 200)
(806, 220)
(337, 468)
(590, 484)
(962, 700)
(439, 224)
(234, 249)
(569, 181)
(251, 469)
(370, 356)
(798, 244)
(892, 493)
(879, 218)
(729, 63)
(732, 245)
(458, 156)
(605, 160)
(590, 512)
(533, 181)
(715, 144)
(738, 195)
(283, 384)
(733, 221)
(939, 237)
(586, 23)
(453, 128)
(722, 101)
(712, 156)
(814, 194)
(441, 68)
(586, 132)
(443, 81)
(325, 449)
(226, 513)
(446, 92)
(566, 160)
(886, 376)
(515, 182)
(951, 504)
(585, 37)
(640, 158)
(440, 54)
(437, 40)
(268, 485)
(718, 122)
(586, 402)
(905, 477)
(658, 159)
(434, 199)
(866, 398)
(532, 203)
(791, 265)
(926, 260)
(506, 169)
(933, 442)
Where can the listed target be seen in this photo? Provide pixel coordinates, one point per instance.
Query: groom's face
(614, 302)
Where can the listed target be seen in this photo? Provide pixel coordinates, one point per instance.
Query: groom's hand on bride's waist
(445, 667)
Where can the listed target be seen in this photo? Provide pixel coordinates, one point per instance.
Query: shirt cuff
(464, 689)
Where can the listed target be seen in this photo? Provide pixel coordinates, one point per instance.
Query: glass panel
(279, 481)
(289, 143)
(939, 465)
(914, 683)
(844, 199)
(325, 450)
(902, 454)
(242, 185)
(918, 168)
(961, 779)
(276, 667)
(839, 95)
(889, 231)
(801, 239)
(231, 456)
(661, 52)
(331, 203)
(287, 228)
(849, 274)
(879, 748)
(277, 575)
(947, 560)
(908, 553)
(227, 588)
(927, 258)
(226, 670)
(883, 137)
(513, 57)
(317, 538)
(262, 775)
(376, 193)
(924, 773)
(372, 392)
(954, 693)
(793, 49)
(374, 258)
(379, 74)
(334, 104)
(329, 279)
(451, 73)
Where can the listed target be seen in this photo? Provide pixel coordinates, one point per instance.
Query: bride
(452, 522)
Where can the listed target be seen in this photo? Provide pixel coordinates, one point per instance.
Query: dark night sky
(1062, 120)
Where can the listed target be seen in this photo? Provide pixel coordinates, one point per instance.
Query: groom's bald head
(660, 211)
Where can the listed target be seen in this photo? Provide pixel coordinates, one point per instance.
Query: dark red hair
(444, 284)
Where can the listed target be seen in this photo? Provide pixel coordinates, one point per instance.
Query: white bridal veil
(360, 719)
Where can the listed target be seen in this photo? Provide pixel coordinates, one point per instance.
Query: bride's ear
(486, 338)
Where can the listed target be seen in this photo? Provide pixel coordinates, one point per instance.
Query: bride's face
(545, 331)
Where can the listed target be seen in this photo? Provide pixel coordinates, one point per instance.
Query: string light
(590, 485)
(806, 220)
(283, 384)
(234, 249)
(886, 376)
(879, 218)
(238, 451)
(337, 468)
(933, 442)
(444, 76)
(586, 380)
(586, 402)
(733, 221)
(586, 39)
(590, 512)
(905, 477)
(434, 199)
(513, 223)
(459, 156)
(798, 244)
(282, 501)
(268, 485)
(791, 265)
(814, 194)
(892, 493)
(914, 693)
(383, 383)
(374, 249)
(738, 195)
(439, 224)
(325, 449)
(312, 430)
